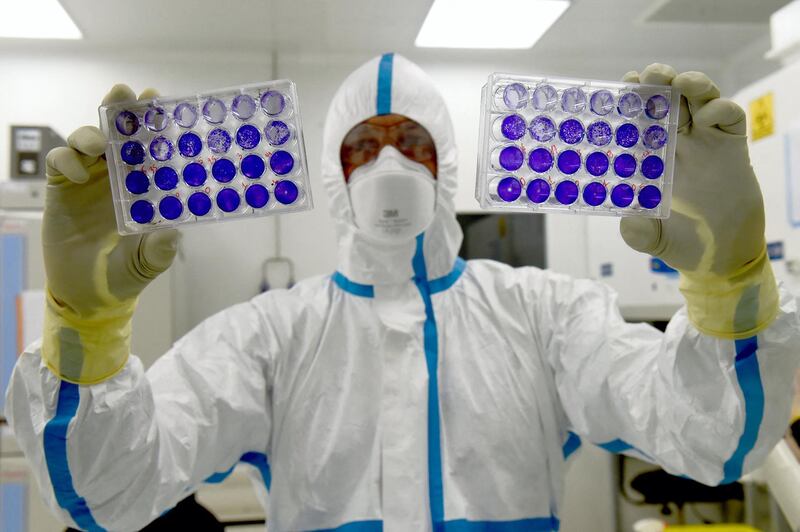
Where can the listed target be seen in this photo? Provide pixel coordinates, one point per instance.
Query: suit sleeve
(116, 455)
(699, 406)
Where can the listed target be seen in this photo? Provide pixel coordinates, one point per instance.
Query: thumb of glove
(157, 251)
(642, 234)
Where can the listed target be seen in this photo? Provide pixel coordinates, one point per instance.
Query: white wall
(747, 66)
(769, 162)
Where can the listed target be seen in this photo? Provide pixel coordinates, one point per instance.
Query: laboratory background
(59, 58)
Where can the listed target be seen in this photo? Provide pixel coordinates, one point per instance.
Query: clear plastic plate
(576, 146)
(213, 156)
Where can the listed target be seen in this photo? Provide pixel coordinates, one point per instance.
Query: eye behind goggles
(365, 140)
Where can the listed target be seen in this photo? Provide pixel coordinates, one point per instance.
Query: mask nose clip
(389, 159)
(393, 198)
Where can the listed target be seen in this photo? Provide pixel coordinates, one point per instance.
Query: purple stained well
(567, 192)
(649, 197)
(194, 174)
(573, 100)
(542, 128)
(170, 207)
(243, 106)
(136, 182)
(248, 137)
(654, 137)
(627, 135)
(127, 123)
(185, 114)
(273, 102)
(599, 133)
(657, 107)
(515, 96)
(629, 105)
(166, 178)
(509, 189)
(281, 162)
(511, 158)
(571, 131)
(190, 145)
(513, 127)
(161, 148)
(594, 194)
(569, 162)
(256, 195)
(214, 111)
(132, 152)
(277, 132)
(652, 167)
(252, 166)
(199, 204)
(602, 102)
(597, 163)
(218, 140)
(156, 119)
(228, 200)
(624, 165)
(540, 160)
(286, 192)
(538, 191)
(622, 195)
(142, 211)
(544, 97)
(223, 170)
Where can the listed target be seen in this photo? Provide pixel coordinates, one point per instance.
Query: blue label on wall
(12, 277)
(775, 250)
(13, 507)
(606, 269)
(659, 266)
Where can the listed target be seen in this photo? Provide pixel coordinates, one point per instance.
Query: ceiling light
(488, 23)
(36, 19)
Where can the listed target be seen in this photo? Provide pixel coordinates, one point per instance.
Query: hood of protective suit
(391, 84)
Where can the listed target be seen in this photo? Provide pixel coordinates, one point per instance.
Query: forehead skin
(379, 121)
(387, 120)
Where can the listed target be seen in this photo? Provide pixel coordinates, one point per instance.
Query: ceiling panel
(714, 11)
(247, 25)
(590, 30)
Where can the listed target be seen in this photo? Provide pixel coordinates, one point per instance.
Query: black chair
(186, 515)
(660, 488)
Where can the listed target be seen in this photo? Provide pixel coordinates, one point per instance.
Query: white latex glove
(94, 275)
(715, 233)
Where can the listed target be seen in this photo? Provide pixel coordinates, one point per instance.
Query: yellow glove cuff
(86, 350)
(734, 307)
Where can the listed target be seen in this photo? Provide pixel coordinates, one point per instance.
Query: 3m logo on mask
(391, 213)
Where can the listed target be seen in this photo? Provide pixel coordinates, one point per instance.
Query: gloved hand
(715, 233)
(94, 275)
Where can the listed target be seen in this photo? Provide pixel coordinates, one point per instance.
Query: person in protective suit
(409, 390)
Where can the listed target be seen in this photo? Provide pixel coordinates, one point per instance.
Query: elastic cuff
(86, 350)
(734, 307)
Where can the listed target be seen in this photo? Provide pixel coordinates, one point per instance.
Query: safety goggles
(365, 141)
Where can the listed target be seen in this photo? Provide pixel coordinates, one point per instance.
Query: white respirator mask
(393, 198)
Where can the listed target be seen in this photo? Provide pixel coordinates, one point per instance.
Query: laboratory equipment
(29, 147)
(22, 194)
(577, 146)
(217, 155)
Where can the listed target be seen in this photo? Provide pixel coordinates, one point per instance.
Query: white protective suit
(410, 390)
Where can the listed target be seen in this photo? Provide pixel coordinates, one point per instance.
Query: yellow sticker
(502, 226)
(762, 117)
